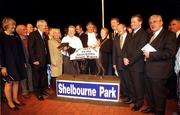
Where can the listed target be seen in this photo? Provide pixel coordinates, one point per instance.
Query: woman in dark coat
(105, 49)
(13, 59)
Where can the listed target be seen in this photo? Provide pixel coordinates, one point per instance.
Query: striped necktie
(152, 38)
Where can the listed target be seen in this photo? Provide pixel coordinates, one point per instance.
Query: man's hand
(114, 66)
(4, 71)
(146, 54)
(36, 63)
(126, 61)
(25, 65)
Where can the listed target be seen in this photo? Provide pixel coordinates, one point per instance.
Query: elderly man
(22, 31)
(39, 58)
(158, 65)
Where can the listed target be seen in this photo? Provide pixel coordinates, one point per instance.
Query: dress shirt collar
(135, 30)
(157, 32)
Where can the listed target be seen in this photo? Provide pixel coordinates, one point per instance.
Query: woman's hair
(7, 21)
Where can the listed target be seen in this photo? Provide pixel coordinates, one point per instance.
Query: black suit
(118, 55)
(136, 64)
(38, 51)
(112, 37)
(12, 56)
(84, 39)
(171, 82)
(83, 63)
(158, 68)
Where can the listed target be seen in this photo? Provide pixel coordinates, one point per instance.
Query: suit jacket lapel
(158, 37)
(125, 42)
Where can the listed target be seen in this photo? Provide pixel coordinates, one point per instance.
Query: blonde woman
(55, 55)
(13, 60)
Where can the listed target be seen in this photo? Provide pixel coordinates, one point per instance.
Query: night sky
(61, 13)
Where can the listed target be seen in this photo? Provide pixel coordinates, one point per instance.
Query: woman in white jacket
(55, 55)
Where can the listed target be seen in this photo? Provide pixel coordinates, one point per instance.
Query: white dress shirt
(177, 62)
(123, 38)
(92, 41)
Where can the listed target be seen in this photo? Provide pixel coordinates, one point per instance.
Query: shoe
(45, 93)
(40, 98)
(136, 108)
(19, 104)
(15, 108)
(129, 101)
(148, 110)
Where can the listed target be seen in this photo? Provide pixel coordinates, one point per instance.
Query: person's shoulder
(75, 37)
(33, 33)
(168, 32)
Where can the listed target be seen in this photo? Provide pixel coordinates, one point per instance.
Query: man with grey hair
(158, 65)
(39, 58)
(22, 31)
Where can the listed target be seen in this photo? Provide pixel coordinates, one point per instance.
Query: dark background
(61, 13)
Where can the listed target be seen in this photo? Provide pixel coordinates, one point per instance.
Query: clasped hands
(145, 53)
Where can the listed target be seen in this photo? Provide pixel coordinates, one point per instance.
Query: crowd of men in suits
(143, 73)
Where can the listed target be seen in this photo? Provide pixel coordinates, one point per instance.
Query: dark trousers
(53, 83)
(91, 66)
(178, 93)
(156, 94)
(124, 85)
(83, 66)
(171, 86)
(137, 87)
(40, 80)
(105, 60)
(68, 66)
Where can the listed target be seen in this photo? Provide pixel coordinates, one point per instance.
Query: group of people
(144, 73)
(24, 55)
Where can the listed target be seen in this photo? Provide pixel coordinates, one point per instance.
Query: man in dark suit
(134, 61)
(112, 35)
(174, 26)
(158, 65)
(39, 58)
(119, 46)
(84, 39)
(114, 23)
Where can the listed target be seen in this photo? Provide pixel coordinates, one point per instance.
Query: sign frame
(88, 98)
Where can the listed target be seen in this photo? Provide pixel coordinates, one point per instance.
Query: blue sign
(88, 90)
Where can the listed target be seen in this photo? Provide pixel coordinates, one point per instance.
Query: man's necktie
(152, 38)
(121, 41)
(43, 38)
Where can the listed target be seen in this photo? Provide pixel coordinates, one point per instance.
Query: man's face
(155, 23)
(90, 28)
(71, 32)
(121, 29)
(114, 24)
(43, 27)
(135, 23)
(174, 26)
(78, 29)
